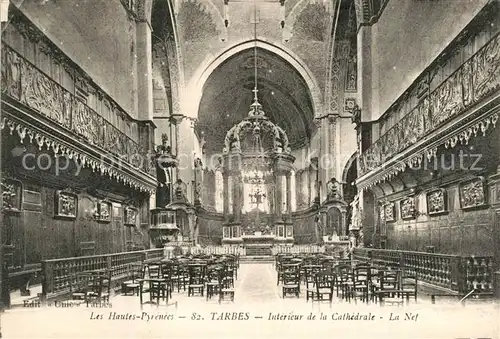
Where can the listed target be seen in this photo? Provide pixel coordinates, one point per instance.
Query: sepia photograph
(272, 169)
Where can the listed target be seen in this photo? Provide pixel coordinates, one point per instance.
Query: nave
(258, 308)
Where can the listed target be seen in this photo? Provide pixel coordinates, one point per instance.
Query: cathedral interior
(160, 146)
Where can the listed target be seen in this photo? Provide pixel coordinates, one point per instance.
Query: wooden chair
(152, 270)
(361, 284)
(80, 286)
(389, 291)
(291, 283)
(224, 290)
(343, 277)
(100, 288)
(212, 283)
(409, 284)
(134, 273)
(156, 288)
(196, 281)
(323, 287)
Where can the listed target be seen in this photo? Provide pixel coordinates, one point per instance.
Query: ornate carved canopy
(256, 134)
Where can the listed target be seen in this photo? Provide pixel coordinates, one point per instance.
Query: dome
(256, 134)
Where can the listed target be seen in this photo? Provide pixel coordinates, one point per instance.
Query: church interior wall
(43, 224)
(459, 229)
(38, 235)
(459, 232)
(434, 25)
(103, 48)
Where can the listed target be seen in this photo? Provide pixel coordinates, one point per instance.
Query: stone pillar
(311, 180)
(225, 184)
(184, 149)
(495, 195)
(144, 62)
(4, 10)
(324, 158)
(343, 230)
(288, 195)
(368, 75)
(237, 201)
(278, 196)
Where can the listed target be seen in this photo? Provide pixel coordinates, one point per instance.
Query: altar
(258, 238)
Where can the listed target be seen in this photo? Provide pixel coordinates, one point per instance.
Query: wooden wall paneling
(13, 236)
(49, 236)
(34, 235)
(86, 240)
(33, 226)
(117, 222)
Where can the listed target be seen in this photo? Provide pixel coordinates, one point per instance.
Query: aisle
(256, 283)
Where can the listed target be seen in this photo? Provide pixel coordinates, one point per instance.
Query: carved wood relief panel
(470, 83)
(437, 202)
(130, 216)
(408, 210)
(66, 205)
(390, 212)
(472, 193)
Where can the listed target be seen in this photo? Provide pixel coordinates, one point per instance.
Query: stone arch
(195, 87)
(348, 165)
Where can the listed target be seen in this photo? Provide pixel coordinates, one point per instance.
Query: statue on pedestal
(163, 162)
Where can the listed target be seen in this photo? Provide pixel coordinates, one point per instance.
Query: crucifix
(257, 198)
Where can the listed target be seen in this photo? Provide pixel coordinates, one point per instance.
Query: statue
(355, 215)
(319, 224)
(197, 191)
(361, 238)
(162, 163)
(356, 115)
(164, 148)
(180, 189)
(333, 189)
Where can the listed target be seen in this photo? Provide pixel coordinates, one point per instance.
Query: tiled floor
(258, 311)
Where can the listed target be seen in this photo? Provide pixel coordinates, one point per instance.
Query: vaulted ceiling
(227, 95)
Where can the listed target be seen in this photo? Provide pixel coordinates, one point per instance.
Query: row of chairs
(91, 286)
(362, 282)
(159, 280)
(380, 284)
